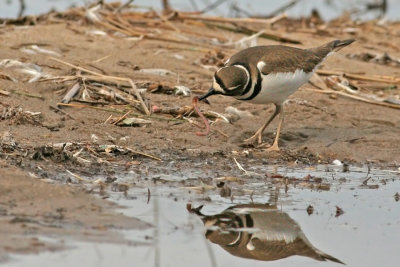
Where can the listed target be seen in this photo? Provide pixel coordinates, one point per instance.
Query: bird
(269, 74)
(259, 231)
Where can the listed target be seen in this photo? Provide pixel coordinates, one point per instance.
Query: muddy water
(266, 219)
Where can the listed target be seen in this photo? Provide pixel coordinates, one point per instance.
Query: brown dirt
(318, 127)
(31, 207)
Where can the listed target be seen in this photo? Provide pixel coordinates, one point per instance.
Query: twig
(101, 59)
(232, 20)
(355, 97)
(245, 171)
(71, 93)
(166, 6)
(139, 97)
(382, 79)
(194, 5)
(118, 10)
(109, 118)
(240, 166)
(222, 133)
(22, 7)
(129, 31)
(280, 10)
(166, 21)
(367, 178)
(78, 177)
(92, 107)
(3, 92)
(212, 6)
(61, 111)
(27, 94)
(143, 154)
(248, 31)
(148, 195)
(179, 41)
(122, 117)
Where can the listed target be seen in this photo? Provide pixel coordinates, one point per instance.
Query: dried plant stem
(81, 179)
(3, 92)
(26, 94)
(166, 21)
(139, 97)
(248, 31)
(101, 59)
(122, 117)
(71, 93)
(92, 107)
(143, 154)
(355, 97)
(233, 20)
(382, 79)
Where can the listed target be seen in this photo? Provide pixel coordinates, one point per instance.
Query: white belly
(277, 87)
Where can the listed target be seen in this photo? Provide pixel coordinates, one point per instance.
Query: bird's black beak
(209, 93)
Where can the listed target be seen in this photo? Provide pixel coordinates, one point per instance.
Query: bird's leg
(275, 146)
(258, 134)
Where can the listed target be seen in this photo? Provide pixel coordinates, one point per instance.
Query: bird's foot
(274, 147)
(255, 139)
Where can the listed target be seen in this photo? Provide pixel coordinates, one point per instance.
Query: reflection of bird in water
(259, 231)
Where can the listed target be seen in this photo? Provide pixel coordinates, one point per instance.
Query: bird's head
(230, 80)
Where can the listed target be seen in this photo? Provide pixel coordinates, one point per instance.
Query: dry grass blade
(56, 109)
(101, 59)
(143, 154)
(27, 94)
(92, 107)
(120, 27)
(233, 20)
(166, 21)
(382, 79)
(137, 94)
(355, 97)
(122, 117)
(245, 30)
(6, 93)
(222, 133)
(81, 179)
(71, 93)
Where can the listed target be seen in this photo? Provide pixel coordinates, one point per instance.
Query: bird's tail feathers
(323, 257)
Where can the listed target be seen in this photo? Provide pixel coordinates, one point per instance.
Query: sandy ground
(31, 207)
(318, 127)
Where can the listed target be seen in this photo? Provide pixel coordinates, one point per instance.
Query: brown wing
(278, 58)
(289, 59)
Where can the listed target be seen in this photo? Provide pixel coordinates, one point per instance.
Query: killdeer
(269, 74)
(259, 231)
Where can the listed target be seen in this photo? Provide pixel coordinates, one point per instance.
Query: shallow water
(327, 9)
(366, 234)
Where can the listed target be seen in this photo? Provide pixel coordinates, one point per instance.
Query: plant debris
(310, 209)
(339, 211)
